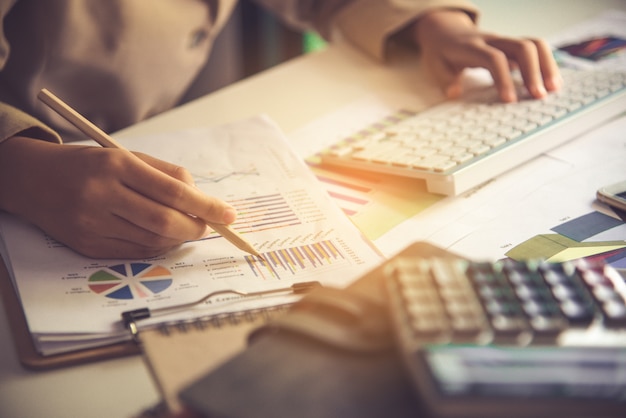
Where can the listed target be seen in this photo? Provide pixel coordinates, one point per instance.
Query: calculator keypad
(508, 302)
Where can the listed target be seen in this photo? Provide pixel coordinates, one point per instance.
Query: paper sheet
(282, 211)
(375, 202)
(528, 201)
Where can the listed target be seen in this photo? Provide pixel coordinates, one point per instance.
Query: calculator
(511, 338)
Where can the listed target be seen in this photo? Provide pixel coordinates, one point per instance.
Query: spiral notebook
(177, 354)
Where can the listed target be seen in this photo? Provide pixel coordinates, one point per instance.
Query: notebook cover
(178, 354)
(288, 376)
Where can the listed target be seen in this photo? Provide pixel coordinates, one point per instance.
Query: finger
(133, 231)
(119, 248)
(497, 63)
(525, 54)
(534, 59)
(117, 200)
(170, 169)
(475, 53)
(160, 222)
(160, 187)
(549, 67)
(119, 239)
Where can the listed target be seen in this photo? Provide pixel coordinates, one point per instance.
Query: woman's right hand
(105, 203)
(450, 42)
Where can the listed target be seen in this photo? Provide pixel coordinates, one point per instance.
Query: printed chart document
(72, 302)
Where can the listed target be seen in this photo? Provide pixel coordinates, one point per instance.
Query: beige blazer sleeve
(12, 120)
(367, 24)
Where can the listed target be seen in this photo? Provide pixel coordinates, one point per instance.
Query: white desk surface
(292, 94)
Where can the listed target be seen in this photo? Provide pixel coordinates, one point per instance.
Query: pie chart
(130, 280)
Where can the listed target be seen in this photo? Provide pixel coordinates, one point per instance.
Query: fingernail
(554, 83)
(539, 91)
(229, 216)
(509, 96)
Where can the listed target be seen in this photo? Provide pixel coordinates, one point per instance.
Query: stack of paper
(73, 302)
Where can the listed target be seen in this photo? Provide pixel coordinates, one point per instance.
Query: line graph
(218, 177)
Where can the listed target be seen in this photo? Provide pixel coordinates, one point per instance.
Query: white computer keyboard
(461, 144)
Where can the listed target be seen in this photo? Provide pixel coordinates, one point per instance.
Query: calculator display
(534, 372)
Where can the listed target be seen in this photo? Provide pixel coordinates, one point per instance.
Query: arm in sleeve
(367, 24)
(13, 121)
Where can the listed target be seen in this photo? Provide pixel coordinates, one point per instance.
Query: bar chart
(258, 213)
(294, 261)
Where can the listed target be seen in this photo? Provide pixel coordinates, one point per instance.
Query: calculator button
(547, 325)
(555, 278)
(605, 293)
(594, 278)
(496, 307)
(534, 308)
(507, 328)
(615, 311)
(431, 328)
(577, 313)
(468, 328)
(563, 291)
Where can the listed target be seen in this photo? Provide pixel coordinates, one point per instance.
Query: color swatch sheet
(593, 235)
(375, 202)
(599, 42)
(72, 301)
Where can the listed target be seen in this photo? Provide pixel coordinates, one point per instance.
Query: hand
(450, 41)
(104, 202)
